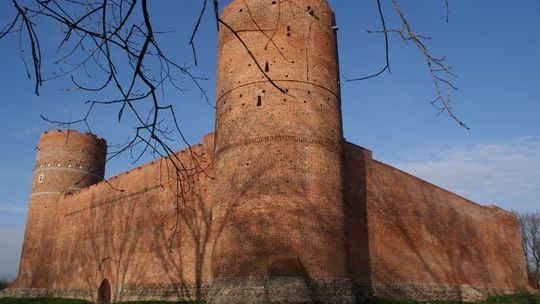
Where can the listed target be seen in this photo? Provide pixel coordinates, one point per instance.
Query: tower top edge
(235, 4)
(52, 133)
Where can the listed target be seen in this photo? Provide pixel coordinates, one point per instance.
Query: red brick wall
(278, 195)
(66, 161)
(278, 154)
(121, 231)
(420, 233)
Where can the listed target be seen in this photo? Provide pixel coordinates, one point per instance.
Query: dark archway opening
(104, 293)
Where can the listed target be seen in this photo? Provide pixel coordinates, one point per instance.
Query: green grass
(510, 299)
(515, 299)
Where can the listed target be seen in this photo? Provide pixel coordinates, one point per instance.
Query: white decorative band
(91, 173)
(45, 193)
(70, 189)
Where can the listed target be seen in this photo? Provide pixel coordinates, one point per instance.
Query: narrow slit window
(266, 67)
(259, 101)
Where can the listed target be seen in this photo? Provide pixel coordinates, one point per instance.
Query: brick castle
(279, 208)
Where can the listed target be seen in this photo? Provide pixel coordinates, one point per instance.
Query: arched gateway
(104, 293)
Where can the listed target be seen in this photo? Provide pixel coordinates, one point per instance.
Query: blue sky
(493, 45)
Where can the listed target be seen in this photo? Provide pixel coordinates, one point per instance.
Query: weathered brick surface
(65, 162)
(143, 292)
(275, 208)
(281, 290)
(421, 241)
(278, 154)
(122, 230)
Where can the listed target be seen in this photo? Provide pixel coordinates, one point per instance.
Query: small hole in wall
(266, 67)
(241, 10)
(274, 2)
(259, 101)
(240, 95)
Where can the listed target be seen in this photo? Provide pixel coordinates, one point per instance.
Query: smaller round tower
(66, 161)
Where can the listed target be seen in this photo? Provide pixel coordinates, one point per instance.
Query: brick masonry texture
(274, 207)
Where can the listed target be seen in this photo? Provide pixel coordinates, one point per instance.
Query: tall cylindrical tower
(66, 161)
(278, 214)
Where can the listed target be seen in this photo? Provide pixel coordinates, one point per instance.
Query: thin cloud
(507, 175)
(11, 240)
(14, 200)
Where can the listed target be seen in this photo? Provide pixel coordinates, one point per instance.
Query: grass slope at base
(509, 299)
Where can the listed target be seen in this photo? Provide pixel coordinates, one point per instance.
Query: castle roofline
(234, 4)
(108, 181)
(54, 132)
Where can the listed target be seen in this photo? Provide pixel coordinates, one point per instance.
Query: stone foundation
(273, 290)
(172, 292)
(281, 290)
(168, 292)
(430, 292)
